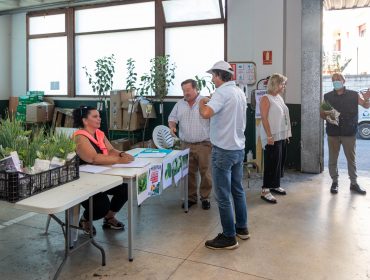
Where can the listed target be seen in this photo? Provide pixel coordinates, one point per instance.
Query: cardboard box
(122, 144)
(115, 118)
(132, 121)
(39, 112)
(119, 97)
(145, 144)
(131, 105)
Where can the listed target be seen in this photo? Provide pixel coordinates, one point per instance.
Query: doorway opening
(346, 45)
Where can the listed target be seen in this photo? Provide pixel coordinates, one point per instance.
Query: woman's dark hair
(225, 76)
(79, 114)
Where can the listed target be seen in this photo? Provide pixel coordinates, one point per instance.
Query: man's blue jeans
(227, 175)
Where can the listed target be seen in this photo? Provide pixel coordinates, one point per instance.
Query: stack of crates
(24, 100)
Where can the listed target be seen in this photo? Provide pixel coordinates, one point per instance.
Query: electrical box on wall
(244, 75)
(244, 72)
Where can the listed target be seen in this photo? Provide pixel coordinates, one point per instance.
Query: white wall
(5, 90)
(255, 26)
(293, 51)
(18, 55)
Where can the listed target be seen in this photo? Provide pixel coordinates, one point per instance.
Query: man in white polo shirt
(194, 134)
(227, 111)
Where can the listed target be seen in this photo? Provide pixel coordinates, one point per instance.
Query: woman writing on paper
(94, 148)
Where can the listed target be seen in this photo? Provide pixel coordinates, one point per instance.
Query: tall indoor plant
(159, 79)
(101, 81)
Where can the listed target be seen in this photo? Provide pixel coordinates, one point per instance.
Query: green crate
(20, 117)
(21, 108)
(23, 100)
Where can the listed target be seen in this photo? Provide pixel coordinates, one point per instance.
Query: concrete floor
(309, 234)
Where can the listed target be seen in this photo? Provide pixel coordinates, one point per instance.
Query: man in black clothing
(346, 103)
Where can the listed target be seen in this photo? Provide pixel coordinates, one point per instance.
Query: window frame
(160, 26)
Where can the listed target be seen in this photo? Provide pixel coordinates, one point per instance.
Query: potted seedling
(101, 81)
(159, 79)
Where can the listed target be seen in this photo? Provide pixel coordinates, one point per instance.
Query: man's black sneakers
(222, 242)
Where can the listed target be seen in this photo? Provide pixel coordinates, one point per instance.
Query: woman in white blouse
(275, 132)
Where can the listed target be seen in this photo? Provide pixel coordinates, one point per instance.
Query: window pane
(138, 45)
(194, 50)
(48, 65)
(115, 17)
(47, 24)
(187, 10)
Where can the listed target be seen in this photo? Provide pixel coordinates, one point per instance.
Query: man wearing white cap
(227, 112)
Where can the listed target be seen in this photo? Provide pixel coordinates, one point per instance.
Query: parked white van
(363, 122)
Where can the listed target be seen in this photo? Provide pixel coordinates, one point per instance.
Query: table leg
(130, 214)
(92, 233)
(186, 191)
(66, 244)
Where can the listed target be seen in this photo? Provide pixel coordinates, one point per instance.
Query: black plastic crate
(15, 186)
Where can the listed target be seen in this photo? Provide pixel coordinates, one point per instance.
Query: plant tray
(15, 186)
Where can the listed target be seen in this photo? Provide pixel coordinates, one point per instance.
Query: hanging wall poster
(176, 168)
(259, 93)
(155, 174)
(142, 186)
(167, 172)
(185, 162)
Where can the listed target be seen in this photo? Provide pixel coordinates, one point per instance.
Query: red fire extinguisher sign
(267, 57)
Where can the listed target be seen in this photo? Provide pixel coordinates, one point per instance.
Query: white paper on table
(142, 186)
(185, 162)
(93, 168)
(167, 172)
(155, 174)
(176, 168)
(151, 155)
(137, 163)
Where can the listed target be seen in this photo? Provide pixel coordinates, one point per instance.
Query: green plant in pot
(131, 79)
(159, 79)
(101, 81)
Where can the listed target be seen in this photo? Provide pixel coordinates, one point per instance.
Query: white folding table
(129, 176)
(65, 197)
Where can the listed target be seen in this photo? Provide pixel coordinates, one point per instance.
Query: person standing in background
(275, 133)
(194, 134)
(346, 103)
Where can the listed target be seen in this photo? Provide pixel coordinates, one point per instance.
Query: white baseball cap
(221, 65)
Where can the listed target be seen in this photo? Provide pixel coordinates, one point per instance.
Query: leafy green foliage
(32, 144)
(101, 80)
(56, 145)
(202, 83)
(334, 63)
(159, 79)
(142, 182)
(325, 106)
(131, 75)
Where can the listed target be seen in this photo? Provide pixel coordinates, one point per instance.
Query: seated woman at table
(94, 148)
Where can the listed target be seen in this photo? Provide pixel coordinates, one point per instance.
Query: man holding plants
(227, 110)
(343, 132)
(194, 134)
